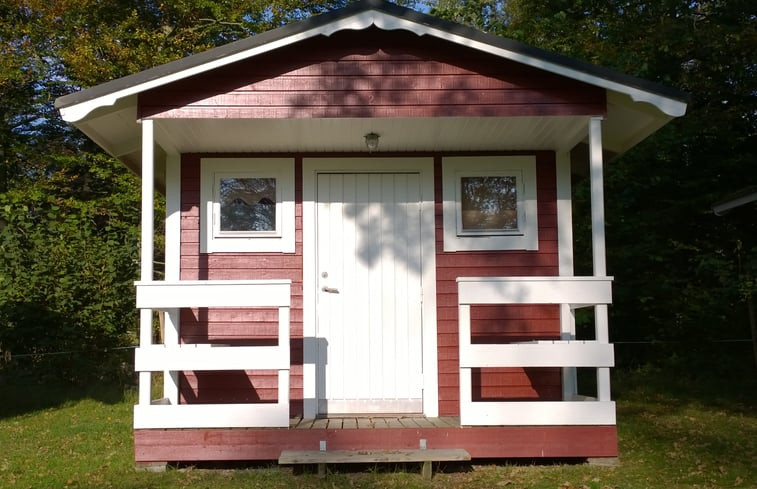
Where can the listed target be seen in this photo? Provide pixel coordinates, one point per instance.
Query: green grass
(674, 433)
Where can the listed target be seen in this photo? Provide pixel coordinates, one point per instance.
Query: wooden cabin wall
(384, 74)
(489, 323)
(499, 324)
(244, 326)
(381, 74)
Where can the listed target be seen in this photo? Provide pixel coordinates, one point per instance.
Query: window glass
(247, 204)
(488, 203)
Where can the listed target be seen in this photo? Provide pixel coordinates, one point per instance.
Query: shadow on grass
(677, 418)
(24, 394)
(341, 468)
(375, 468)
(674, 388)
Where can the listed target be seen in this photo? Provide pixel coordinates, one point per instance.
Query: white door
(369, 321)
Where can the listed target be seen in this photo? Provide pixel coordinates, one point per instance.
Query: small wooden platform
(373, 422)
(323, 457)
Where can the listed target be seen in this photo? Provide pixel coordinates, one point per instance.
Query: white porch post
(172, 258)
(598, 244)
(565, 249)
(148, 229)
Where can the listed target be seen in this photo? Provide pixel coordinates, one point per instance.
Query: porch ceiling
(347, 135)
(116, 129)
(107, 113)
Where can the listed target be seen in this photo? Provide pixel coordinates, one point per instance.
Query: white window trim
(524, 169)
(212, 240)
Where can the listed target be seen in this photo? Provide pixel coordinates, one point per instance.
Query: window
(490, 203)
(247, 205)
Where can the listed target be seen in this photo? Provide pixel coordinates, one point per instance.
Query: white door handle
(330, 290)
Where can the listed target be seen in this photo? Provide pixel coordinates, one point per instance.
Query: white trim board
(258, 415)
(383, 20)
(425, 168)
(213, 293)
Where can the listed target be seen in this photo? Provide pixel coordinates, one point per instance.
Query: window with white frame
(247, 205)
(489, 203)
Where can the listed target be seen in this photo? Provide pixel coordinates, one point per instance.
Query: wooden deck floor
(372, 422)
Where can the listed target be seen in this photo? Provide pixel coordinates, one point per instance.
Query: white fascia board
(363, 20)
(723, 207)
(668, 106)
(78, 112)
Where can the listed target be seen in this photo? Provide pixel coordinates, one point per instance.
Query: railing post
(148, 205)
(565, 249)
(568, 333)
(284, 345)
(466, 398)
(597, 198)
(172, 266)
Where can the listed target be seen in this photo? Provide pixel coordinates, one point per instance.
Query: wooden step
(323, 457)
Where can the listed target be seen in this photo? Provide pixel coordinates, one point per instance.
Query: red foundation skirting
(184, 445)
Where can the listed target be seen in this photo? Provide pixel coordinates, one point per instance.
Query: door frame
(311, 167)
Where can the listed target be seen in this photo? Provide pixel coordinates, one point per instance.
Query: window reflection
(489, 203)
(248, 204)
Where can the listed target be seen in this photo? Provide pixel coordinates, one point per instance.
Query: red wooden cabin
(369, 239)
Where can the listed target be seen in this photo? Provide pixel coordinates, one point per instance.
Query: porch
(576, 426)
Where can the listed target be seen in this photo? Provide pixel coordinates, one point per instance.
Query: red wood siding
(489, 323)
(243, 326)
(372, 74)
(499, 324)
(480, 442)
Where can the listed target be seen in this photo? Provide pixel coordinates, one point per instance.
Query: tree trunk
(753, 326)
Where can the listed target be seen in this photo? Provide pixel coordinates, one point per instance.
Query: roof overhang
(742, 197)
(107, 113)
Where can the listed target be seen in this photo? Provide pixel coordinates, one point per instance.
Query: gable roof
(107, 113)
(358, 16)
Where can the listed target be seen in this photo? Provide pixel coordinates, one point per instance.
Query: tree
(680, 271)
(69, 214)
(487, 15)
(682, 274)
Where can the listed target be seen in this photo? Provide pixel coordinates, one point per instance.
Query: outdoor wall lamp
(371, 141)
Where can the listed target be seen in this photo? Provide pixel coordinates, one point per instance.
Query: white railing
(575, 291)
(171, 358)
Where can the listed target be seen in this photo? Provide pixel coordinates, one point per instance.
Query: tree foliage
(69, 214)
(682, 274)
(69, 243)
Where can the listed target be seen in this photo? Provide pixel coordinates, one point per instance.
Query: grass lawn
(673, 433)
